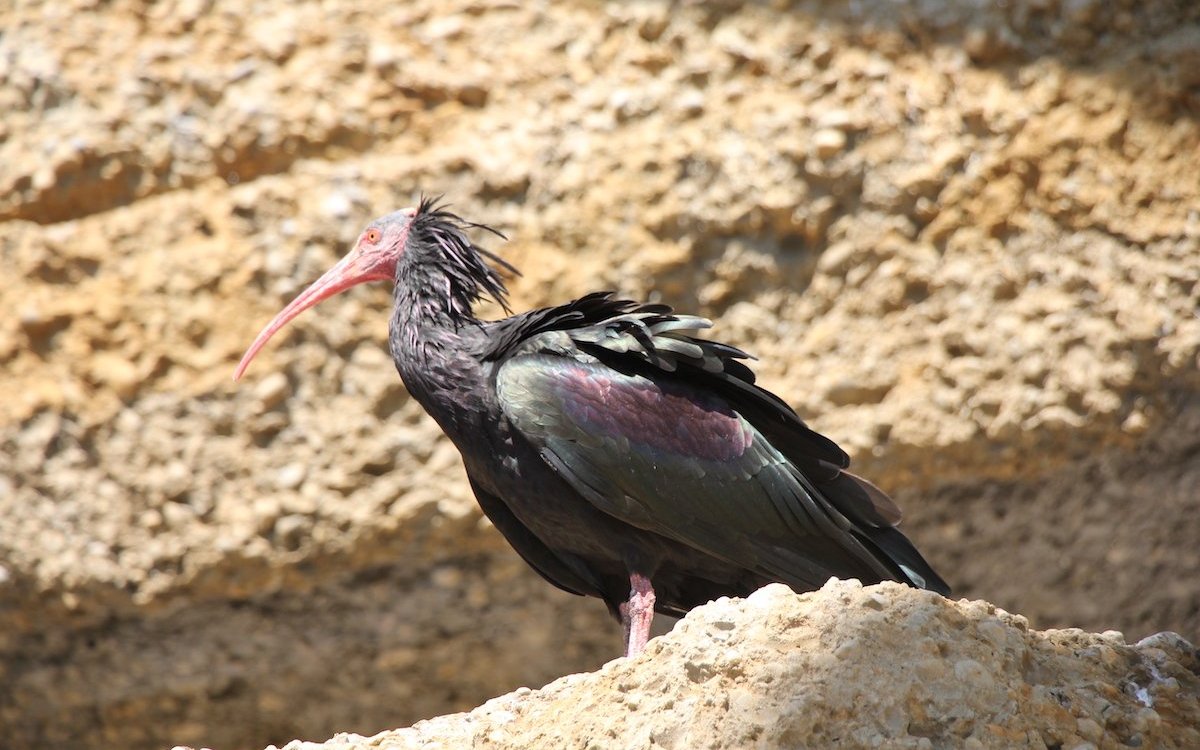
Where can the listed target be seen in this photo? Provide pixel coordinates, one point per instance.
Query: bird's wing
(667, 432)
(627, 334)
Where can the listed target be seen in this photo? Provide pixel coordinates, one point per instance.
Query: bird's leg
(637, 614)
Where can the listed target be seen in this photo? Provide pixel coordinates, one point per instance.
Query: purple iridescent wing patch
(664, 418)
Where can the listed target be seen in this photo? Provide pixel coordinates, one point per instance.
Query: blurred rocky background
(963, 238)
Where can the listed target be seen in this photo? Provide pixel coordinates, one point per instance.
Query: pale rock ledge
(846, 666)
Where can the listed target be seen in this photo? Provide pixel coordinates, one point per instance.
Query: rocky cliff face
(847, 666)
(963, 239)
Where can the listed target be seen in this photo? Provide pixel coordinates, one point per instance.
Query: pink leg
(637, 614)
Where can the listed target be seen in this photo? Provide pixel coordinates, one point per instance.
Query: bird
(622, 455)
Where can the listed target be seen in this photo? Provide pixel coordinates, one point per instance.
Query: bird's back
(666, 434)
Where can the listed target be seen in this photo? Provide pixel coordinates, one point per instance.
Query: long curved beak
(354, 269)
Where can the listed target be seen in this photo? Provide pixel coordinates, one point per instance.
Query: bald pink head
(373, 258)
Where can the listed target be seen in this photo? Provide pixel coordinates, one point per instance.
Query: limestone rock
(850, 667)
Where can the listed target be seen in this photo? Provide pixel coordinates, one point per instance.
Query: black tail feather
(908, 562)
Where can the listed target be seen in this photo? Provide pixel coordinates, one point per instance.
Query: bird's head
(427, 234)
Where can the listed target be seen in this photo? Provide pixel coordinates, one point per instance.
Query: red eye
(372, 236)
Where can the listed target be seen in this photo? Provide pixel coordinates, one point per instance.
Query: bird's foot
(637, 614)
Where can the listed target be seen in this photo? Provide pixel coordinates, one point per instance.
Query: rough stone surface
(847, 666)
(963, 239)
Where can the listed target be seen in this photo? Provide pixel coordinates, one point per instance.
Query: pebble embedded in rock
(291, 476)
(290, 530)
(828, 142)
(271, 390)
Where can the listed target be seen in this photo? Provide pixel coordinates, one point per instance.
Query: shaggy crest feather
(470, 276)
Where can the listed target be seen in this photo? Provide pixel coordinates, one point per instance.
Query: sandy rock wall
(964, 241)
(847, 666)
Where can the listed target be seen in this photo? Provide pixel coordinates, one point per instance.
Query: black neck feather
(446, 272)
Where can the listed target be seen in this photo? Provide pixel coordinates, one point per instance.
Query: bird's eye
(372, 236)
